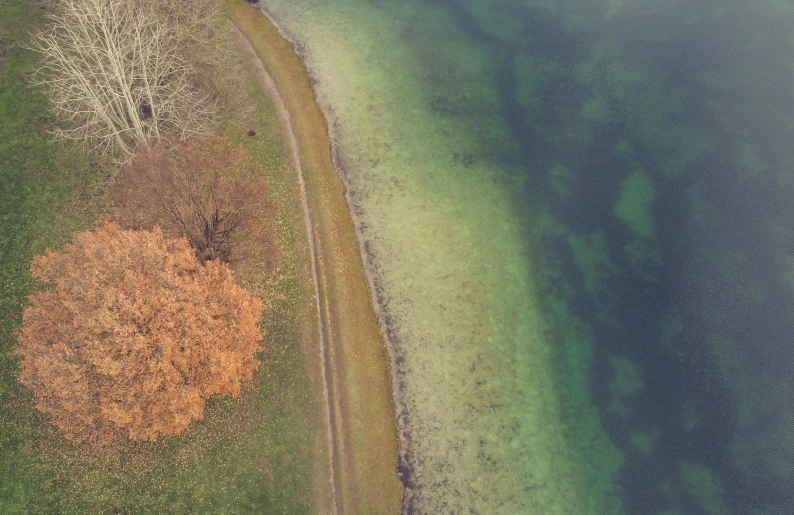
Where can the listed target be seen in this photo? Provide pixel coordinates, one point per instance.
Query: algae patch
(705, 487)
(626, 382)
(635, 204)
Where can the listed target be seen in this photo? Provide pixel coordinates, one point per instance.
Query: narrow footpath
(350, 354)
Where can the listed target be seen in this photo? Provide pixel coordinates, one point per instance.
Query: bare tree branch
(207, 191)
(117, 78)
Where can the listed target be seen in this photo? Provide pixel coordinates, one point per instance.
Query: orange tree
(133, 334)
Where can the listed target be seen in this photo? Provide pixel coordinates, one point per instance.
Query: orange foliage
(134, 334)
(205, 190)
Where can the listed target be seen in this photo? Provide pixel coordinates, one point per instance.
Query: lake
(578, 226)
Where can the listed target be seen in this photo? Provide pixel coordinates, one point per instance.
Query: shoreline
(468, 437)
(363, 436)
(405, 455)
(404, 459)
(390, 341)
(271, 88)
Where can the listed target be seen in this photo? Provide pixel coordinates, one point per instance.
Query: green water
(576, 225)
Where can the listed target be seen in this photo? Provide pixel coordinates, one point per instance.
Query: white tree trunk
(116, 77)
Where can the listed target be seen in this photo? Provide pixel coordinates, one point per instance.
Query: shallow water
(576, 223)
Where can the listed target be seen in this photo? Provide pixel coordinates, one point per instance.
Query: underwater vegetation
(580, 205)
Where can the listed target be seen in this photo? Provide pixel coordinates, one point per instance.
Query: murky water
(577, 221)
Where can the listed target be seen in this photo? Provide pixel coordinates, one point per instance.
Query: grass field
(260, 453)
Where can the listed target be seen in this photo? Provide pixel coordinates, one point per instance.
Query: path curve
(270, 85)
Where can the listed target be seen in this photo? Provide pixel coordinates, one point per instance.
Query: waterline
(474, 373)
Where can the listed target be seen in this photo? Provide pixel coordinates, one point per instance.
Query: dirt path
(266, 81)
(362, 436)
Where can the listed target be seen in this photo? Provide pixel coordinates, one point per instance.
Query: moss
(591, 255)
(787, 274)
(561, 180)
(747, 160)
(667, 488)
(613, 7)
(644, 441)
(573, 353)
(550, 6)
(670, 327)
(598, 274)
(596, 110)
(497, 18)
(644, 259)
(650, 107)
(533, 72)
(623, 147)
(690, 417)
(685, 144)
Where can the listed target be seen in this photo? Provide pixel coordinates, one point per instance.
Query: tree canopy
(208, 191)
(132, 334)
(122, 73)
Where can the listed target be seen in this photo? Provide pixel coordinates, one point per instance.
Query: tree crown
(133, 334)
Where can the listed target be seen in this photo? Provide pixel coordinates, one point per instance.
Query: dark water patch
(667, 385)
(690, 375)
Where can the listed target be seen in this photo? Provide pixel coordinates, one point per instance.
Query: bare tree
(116, 75)
(208, 41)
(207, 191)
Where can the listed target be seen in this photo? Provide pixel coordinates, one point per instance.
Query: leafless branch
(117, 78)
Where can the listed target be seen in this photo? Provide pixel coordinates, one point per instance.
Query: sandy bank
(361, 416)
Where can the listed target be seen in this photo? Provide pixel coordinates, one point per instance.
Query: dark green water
(579, 222)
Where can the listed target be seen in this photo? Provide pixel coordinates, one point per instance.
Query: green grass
(253, 454)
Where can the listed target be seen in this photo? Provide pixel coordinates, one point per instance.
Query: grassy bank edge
(362, 413)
